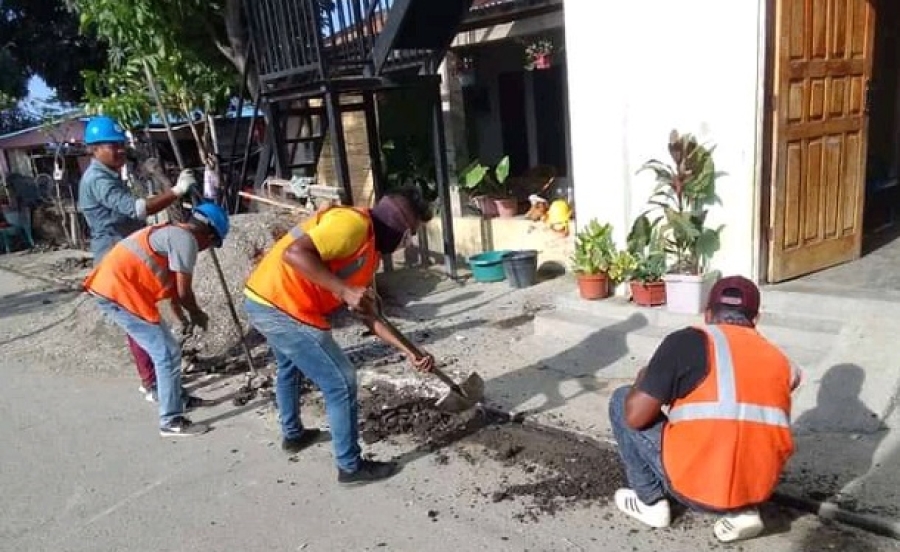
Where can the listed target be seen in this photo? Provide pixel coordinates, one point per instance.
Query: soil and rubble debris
(564, 469)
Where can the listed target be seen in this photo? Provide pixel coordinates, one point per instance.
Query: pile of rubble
(250, 237)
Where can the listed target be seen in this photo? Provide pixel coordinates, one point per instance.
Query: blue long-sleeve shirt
(112, 213)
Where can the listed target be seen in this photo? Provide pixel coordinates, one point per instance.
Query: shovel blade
(472, 393)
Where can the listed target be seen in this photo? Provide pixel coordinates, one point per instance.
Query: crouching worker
(724, 443)
(328, 261)
(149, 266)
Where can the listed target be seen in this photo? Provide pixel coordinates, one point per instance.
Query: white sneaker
(656, 515)
(738, 526)
(149, 394)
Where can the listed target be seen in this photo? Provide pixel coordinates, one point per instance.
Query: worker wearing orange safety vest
(725, 439)
(151, 265)
(320, 265)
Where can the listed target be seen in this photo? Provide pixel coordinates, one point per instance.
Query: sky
(38, 94)
(38, 89)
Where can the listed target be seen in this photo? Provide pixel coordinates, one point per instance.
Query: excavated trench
(562, 469)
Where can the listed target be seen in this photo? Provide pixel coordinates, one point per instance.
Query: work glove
(185, 182)
(200, 319)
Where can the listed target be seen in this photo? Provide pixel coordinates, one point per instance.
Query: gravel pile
(250, 236)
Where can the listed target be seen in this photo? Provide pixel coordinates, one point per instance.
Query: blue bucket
(488, 266)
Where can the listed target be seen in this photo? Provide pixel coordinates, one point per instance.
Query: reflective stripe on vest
(727, 407)
(296, 232)
(164, 276)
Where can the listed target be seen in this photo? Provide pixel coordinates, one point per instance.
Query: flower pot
(488, 266)
(648, 294)
(542, 61)
(687, 293)
(486, 205)
(593, 286)
(507, 207)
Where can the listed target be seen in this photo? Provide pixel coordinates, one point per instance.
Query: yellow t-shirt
(339, 234)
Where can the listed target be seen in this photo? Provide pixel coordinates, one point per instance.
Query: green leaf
(502, 170)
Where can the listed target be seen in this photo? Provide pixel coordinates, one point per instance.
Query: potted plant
(621, 265)
(487, 188)
(684, 193)
(594, 252)
(647, 248)
(539, 54)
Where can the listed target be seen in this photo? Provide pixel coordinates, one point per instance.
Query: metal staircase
(311, 54)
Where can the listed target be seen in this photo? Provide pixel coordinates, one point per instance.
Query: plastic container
(687, 293)
(521, 268)
(488, 266)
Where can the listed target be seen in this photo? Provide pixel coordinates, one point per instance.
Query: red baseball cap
(735, 292)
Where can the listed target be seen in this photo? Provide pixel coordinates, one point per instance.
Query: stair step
(305, 139)
(641, 336)
(618, 307)
(305, 111)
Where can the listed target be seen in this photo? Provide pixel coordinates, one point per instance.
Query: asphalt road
(82, 468)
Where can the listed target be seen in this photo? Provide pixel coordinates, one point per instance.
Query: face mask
(391, 229)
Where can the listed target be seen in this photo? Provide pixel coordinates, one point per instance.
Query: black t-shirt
(678, 366)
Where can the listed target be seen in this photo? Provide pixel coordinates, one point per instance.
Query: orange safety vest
(289, 291)
(134, 276)
(726, 443)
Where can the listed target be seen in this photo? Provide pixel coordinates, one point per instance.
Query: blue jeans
(304, 350)
(160, 344)
(641, 451)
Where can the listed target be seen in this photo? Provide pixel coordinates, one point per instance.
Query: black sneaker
(307, 438)
(182, 427)
(369, 471)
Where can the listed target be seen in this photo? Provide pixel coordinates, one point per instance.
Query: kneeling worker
(726, 438)
(152, 265)
(319, 265)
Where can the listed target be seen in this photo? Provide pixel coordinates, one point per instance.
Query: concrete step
(800, 337)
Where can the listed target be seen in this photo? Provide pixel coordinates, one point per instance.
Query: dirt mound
(386, 411)
(67, 266)
(565, 469)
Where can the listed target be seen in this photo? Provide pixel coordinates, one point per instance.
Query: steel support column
(443, 180)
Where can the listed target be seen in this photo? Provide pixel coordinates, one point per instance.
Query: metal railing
(321, 39)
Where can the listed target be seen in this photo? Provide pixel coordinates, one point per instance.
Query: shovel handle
(417, 352)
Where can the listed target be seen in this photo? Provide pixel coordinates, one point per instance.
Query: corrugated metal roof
(479, 4)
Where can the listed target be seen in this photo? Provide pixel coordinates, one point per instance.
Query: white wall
(639, 69)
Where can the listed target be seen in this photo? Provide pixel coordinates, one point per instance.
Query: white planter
(687, 293)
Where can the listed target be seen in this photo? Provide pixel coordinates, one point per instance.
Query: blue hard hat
(215, 217)
(103, 129)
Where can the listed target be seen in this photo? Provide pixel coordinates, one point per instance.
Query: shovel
(460, 397)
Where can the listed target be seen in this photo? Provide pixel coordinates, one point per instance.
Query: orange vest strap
(726, 407)
(132, 243)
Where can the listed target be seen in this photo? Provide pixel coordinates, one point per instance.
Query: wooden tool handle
(417, 352)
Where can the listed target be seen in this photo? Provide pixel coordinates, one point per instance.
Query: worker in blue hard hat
(112, 212)
(152, 265)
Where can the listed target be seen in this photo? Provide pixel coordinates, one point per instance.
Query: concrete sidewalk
(848, 448)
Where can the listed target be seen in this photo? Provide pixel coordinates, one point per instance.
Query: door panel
(823, 66)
